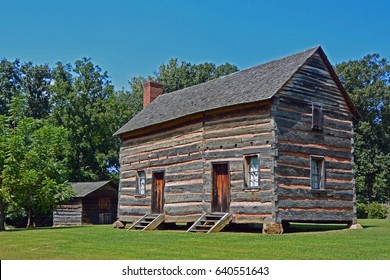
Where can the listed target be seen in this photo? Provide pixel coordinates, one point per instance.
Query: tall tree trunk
(2, 216)
(30, 222)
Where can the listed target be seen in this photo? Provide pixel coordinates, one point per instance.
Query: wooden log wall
(186, 153)
(228, 137)
(177, 152)
(296, 141)
(68, 214)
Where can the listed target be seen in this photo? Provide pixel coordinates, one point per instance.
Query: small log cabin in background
(271, 144)
(93, 203)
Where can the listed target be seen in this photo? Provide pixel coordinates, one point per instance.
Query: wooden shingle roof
(254, 84)
(85, 188)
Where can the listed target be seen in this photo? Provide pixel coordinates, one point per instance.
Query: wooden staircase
(211, 222)
(148, 222)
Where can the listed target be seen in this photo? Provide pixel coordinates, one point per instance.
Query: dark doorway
(221, 188)
(158, 192)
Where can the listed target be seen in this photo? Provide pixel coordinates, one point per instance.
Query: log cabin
(92, 203)
(268, 145)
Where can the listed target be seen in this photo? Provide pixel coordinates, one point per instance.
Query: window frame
(104, 203)
(322, 174)
(138, 189)
(247, 172)
(317, 119)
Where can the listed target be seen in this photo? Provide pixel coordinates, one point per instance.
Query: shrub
(376, 210)
(361, 210)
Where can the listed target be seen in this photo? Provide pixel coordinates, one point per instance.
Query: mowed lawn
(106, 243)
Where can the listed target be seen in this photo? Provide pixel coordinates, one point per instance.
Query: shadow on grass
(41, 228)
(257, 228)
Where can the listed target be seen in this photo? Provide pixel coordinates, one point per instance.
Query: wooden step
(211, 222)
(148, 222)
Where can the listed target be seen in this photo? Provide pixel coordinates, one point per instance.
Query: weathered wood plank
(183, 208)
(313, 151)
(251, 219)
(307, 215)
(310, 203)
(185, 197)
(300, 192)
(182, 218)
(250, 208)
(252, 196)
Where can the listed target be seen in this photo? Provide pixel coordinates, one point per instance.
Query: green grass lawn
(105, 243)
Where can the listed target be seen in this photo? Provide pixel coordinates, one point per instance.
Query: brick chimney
(151, 91)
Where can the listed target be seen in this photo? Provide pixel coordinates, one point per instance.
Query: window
(317, 173)
(251, 170)
(141, 183)
(317, 117)
(104, 203)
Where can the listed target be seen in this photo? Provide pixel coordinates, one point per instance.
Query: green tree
(3, 147)
(367, 81)
(32, 163)
(81, 96)
(9, 83)
(35, 82)
(175, 75)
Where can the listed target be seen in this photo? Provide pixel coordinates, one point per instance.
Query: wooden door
(158, 192)
(221, 188)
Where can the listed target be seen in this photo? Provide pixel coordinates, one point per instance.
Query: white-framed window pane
(141, 183)
(253, 170)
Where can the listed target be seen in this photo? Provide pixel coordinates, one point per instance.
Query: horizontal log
(161, 163)
(129, 218)
(251, 196)
(185, 197)
(183, 208)
(250, 208)
(134, 201)
(284, 159)
(308, 216)
(251, 219)
(311, 203)
(295, 148)
(182, 177)
(266, 127)
(133, 211)
(172, 152)
(239, 153)
(181, 129)
(182, 169)
(304, 126)
(240, 142)
(235, 123)
(182, 218)
(309, 137)
(192, 188)
(308, 193)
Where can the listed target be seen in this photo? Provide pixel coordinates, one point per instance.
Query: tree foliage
(175, 75)
(367, 81)
(33, 175)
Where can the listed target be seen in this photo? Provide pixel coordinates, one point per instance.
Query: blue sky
(130, 38)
